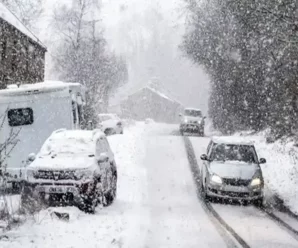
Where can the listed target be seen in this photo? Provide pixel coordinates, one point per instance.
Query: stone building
(22, 55)
(149, 103)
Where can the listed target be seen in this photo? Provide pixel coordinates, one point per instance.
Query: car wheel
(111, 195)
(259, 203)
(89, 204)
(203, 191)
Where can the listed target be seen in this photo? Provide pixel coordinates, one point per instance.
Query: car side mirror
(31, 157)
(204, 117)
(204, 157)
(103, 157)
(180, 115)
(262, 161)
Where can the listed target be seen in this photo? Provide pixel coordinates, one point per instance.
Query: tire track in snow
(282, 224)
(228, 234)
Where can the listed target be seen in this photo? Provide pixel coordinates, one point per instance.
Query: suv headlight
(83, 175)
(216, 179)
(30, 174)
(256, 182)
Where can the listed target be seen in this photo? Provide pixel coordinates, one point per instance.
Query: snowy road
(157, 205)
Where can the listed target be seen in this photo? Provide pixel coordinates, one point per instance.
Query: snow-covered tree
(249, 49)
(28, 11)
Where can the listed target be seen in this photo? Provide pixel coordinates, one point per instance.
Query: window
(20, 117)
(3, 51)
(74, 112)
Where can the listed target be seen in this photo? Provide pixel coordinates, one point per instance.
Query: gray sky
(147, 33)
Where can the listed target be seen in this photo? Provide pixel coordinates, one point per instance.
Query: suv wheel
(111, 195)
(89, 204)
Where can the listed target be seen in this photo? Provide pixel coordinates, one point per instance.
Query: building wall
(147, 104)
(21, 59)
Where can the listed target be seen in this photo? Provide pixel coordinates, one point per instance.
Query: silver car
(231, 169)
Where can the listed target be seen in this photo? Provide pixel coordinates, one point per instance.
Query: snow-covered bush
(6, 147)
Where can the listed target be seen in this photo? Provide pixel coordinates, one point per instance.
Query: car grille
(236, 182)
(55, 175)
(231, 194)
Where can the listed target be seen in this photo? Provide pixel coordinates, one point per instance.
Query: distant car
(231, 169)
(72, 167)
(192, 121)
(110, 124)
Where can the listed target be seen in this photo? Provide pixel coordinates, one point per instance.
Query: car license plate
(56, 190)
(61, 190)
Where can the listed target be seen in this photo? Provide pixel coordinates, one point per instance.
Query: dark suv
(73, 167)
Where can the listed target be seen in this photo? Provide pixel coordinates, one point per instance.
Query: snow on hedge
(281, 170)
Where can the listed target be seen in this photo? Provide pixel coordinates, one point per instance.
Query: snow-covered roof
(13, 20)
(232, 140)
(162, 95)
(46, 86)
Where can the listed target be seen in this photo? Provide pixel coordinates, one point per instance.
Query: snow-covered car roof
(108, 114)
(72, 141)
(231, 140)
(192, 109)
(9, 17)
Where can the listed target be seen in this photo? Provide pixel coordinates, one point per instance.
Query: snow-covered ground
(156, 204)
(281, 170)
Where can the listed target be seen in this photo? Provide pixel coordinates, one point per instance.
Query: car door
(205, 164)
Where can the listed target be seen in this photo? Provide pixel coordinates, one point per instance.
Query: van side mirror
(103, 157)
(262, 161)
(204, 157)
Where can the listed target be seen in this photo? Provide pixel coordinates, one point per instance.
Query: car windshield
(242, 153)
(194, 113)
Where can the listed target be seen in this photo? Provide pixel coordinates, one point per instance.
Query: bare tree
(81, 55)
(28, 11)
(6, 148)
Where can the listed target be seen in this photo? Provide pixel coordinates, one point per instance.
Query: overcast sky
(147, 33)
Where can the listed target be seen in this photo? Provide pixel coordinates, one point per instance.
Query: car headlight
(185, 120)
(30, 174)
(83, 175)
(256, 182)
(216, 179)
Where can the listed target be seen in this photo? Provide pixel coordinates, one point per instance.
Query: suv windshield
(194, 113)
(242, 153)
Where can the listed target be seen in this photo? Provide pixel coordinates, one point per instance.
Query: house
(22, 55)
(150, 103)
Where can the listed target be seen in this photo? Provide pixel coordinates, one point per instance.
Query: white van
(31, 113)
